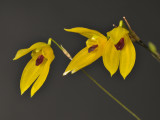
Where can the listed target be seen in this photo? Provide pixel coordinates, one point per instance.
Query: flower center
(39, 60)
(120, 44)
(92, 48)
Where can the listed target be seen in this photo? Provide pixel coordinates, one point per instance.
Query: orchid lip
(120, 44)
(92, 48)
(39, 60)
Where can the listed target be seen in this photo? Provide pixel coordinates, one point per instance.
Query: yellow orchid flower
(37, 69)
(119, 51)
(93, 50)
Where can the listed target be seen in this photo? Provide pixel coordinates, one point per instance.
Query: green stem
(49, 41)
(110, 95)
(101, 87)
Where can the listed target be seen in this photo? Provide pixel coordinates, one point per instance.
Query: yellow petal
(117, 33)
(30, 74)
(82, 59)
(41, 79)
(111, 57)
(127, 57)
(86, 32)
(23, 52)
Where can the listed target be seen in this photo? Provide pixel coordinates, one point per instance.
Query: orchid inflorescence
(116, 49)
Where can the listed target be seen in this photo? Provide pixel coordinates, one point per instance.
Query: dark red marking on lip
(39, 60)
(92, 48)
(120, 44)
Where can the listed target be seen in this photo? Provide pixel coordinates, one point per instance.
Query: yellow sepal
(41, 79)
(117, 33)
(127, 57)
(82, 59)
(111, 57)
(30, 74)
(23, 52)
(89, 33)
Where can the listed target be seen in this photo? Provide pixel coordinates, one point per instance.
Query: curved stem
(49, 41)
(100, 86)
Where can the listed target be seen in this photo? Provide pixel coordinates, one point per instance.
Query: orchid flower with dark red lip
(37, 69)
(93, 50)
(119, 52)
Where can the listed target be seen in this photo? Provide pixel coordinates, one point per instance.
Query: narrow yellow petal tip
(22, 92)
(111, 74)
(124, 76)
(65, 73)
(13, 59)
(31, 94)
(67, 29)
(73, 71)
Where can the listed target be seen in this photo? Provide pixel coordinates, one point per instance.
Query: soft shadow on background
(75, 97)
